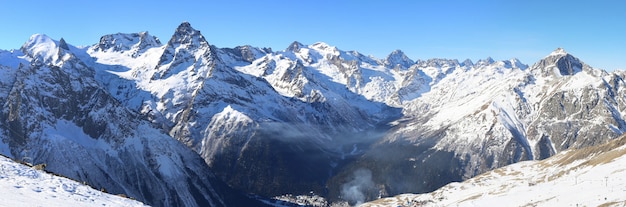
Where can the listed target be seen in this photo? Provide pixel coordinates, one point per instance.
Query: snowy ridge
(260, 118)
(592, 176)
(131, 44)
(57, 113)
(26, 186)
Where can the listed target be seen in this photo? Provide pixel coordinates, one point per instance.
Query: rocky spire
(63, 44)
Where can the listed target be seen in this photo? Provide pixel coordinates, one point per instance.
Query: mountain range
(187, 123)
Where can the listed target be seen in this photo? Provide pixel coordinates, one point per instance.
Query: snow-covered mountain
(21, 185)
(245, 110)
(591, 176)
(491, 114)
(309, 119)
(55, 112)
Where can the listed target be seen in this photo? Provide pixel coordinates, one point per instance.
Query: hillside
(591, 176)
(21, 185)
(204, 125)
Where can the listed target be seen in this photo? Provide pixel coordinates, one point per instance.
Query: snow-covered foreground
(593, 176)
(21, 185)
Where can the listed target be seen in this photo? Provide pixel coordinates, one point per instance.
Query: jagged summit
(468, 62)
(135, 43)
(294, 46)
(63, 44)
(185, 42)
(185, 27)
(187, 35)
(287, 114)
(560, 63)
(486, 61)
(398, 58)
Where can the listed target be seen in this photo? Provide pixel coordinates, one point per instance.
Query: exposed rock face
(397, 58)
(56, 113)
(134, 44)
(514, 114)
(262, 119)
(307, 118)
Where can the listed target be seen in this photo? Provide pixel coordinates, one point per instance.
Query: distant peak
(487, 61)
(63, 44)
(187, 35)
(322, 46)
(558, 51)
(121, 42)
(39, 38)
(44, 49)
(397, 52)
(185, 28)
(468, 62)
(295, 46)
(560, 63)
(397, 57)
(38, 42)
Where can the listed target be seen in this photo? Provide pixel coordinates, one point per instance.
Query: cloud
(355, 190)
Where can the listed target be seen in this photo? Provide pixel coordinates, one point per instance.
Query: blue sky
(595, 31)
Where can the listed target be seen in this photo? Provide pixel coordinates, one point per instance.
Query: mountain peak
(397, 53)
(487, 61)
(323, 46)
(122, 42)
(559, 62)
(38, 39)
(468, 62)
(41, 47)
(188, 36)
(184, 28)
(559, 51)
(63, 44)
(397, 57)
(295, 46)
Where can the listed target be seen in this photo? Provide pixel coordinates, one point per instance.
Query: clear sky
(594, 31)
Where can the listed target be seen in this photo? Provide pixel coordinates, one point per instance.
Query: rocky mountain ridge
(312, 118)
(55, 112)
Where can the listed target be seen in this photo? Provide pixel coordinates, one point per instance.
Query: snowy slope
(593, 176)
(484, 115)
(56, 112)
(306, 118)
(480, 116)
(234, 105)
(21, 185)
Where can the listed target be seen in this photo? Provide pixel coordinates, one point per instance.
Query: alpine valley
(185, 123)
